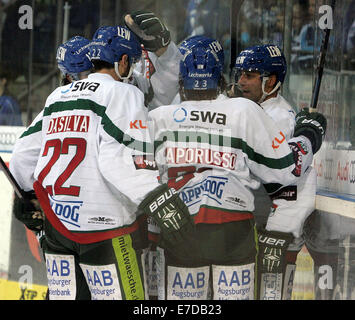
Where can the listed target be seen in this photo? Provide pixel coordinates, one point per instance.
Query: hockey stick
(20, 193)
(234, 47)
(320, 66)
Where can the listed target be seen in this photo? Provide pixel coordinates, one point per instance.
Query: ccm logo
(272, 241)
(161, 199)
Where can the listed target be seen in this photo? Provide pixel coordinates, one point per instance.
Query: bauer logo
(161, 199)
(67, 211)
(212, 187)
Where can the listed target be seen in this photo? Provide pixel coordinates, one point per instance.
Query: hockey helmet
(213, 44)
(201, 68)
(72, 57)
(266, 59)
(110, 43)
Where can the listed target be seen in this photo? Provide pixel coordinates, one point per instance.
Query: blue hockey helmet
(201, 40)
(110, 43)
(72, 57)
(266, 59)
(188, 43)
(200, 67)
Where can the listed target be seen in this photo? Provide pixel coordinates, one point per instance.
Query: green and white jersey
(282, 113)
(214, 152)
(87, 149)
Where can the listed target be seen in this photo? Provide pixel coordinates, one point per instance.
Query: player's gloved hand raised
(29, 212)
(311, 125)
(150, 30)
(169, 212)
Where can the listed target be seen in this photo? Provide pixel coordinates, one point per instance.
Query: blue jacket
(10, 112)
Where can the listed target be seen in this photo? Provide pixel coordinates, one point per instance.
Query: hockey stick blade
(320, 66)
(12, 180)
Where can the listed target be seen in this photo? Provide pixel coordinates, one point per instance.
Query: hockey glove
(150, 30)
(311, 125)
(29, 212)
(272, 250)
(169, 212)
(271, 263)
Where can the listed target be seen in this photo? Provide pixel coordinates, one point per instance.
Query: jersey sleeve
(165, 79)
(25, 155)
(268, 154)
(285, 120)
(125, 148)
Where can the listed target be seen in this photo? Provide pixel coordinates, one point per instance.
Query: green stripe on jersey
(36, 128)
(223, 141)
(108, 125)
(130, 276)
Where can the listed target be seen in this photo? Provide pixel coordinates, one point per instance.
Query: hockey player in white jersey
(259, 73)
(153, 231)
(74, 64)
(214, 151)
(86, 161)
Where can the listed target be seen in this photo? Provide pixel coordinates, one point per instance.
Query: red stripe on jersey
(215, 216)
(83, 238)
(153, 237)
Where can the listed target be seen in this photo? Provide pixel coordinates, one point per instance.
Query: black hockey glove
(150, 30)
(311, 125)
(29, 212)
(272, 250)
(169, 212)
(271, 263)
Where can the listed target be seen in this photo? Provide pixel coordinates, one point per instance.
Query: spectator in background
(304, 36)
(207, 17)
(10, 112)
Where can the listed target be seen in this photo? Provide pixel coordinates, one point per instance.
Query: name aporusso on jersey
(73, 123)
(201, 156)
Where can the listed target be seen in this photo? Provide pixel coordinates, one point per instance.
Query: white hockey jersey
(282, 113)
(293, 204)
(213, 152)
(87, 149)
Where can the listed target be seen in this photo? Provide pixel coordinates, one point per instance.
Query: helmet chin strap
(265, 94)
(124, 79)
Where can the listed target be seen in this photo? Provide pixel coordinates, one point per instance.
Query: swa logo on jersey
(181, 114)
